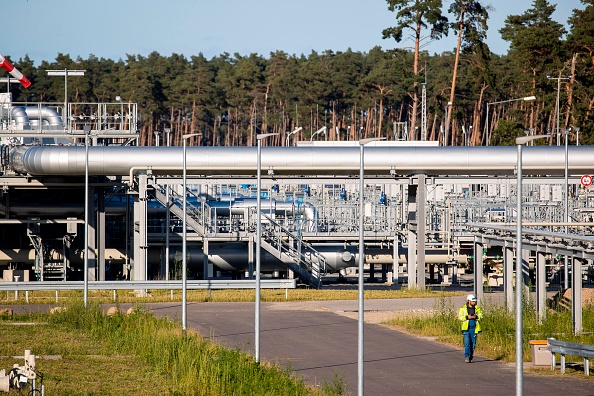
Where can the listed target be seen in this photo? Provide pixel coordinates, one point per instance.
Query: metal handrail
(199, 214)
(150, 284)
(299, 255)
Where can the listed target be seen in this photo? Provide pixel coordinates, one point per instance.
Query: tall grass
(228, 295)
(497, 340)
(194, 366)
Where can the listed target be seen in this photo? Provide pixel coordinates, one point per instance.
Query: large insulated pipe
(19, 115)
(234, 256)
(27, 256)
(468, 160)
(230, 257)
(47, 114)
(114, 208)
(24, 117)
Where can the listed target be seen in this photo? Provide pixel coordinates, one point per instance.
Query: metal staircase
(196, 216)
(298, 255)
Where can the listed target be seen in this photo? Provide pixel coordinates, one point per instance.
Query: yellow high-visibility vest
(463, 313)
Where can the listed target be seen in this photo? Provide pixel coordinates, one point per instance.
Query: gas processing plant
(77, 191)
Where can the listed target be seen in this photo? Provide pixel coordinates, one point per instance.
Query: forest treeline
(231, 98)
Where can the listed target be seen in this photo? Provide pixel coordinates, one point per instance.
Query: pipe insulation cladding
(471, 160)
(232, 257)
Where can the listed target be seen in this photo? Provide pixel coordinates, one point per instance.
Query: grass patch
(140, 354)
(230, 295)
(497, 340)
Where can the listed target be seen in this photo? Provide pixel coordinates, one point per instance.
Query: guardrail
(146, 285)
(570, 348)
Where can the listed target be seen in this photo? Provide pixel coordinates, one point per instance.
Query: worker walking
(470, 316)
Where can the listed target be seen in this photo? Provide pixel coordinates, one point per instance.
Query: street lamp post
(184, 255)
(66, 73)
(321, 130)
(567, 77)
(292, 133)
(360, 322)
(87, 130)
(448, 118)
(519, 278)
(259, 241)
(488, 132)
(167, 131)
(566, 203)
(465, 135)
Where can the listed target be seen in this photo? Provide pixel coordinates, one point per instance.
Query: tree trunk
(454, 77)
(433, 128)
(415, 98)
(265, 119)
(193, 118)
(568, 114)
(477, 138)
(381, 118)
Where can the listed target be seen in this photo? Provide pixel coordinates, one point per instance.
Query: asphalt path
(318, 341)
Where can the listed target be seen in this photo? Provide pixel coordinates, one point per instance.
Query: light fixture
(360, 321)
(66, 73)
(557, 109)
(488, 132)
(259, 241)
(519, 273)
(292, 133)
(184, 237)
(321, 130)
(87, 130)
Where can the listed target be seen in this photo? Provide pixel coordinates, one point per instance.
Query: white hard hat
(471, 297)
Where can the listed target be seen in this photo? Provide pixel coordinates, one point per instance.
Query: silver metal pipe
(231, 257)
(470, 160)
(47, 114)
(25, 117)
(19, 116)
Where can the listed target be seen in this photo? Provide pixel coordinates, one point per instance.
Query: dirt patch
(378, 317)
(587, 296)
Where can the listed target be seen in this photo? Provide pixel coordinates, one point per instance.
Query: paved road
(318, 340)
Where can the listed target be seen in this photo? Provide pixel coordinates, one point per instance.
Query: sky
(114, 28)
